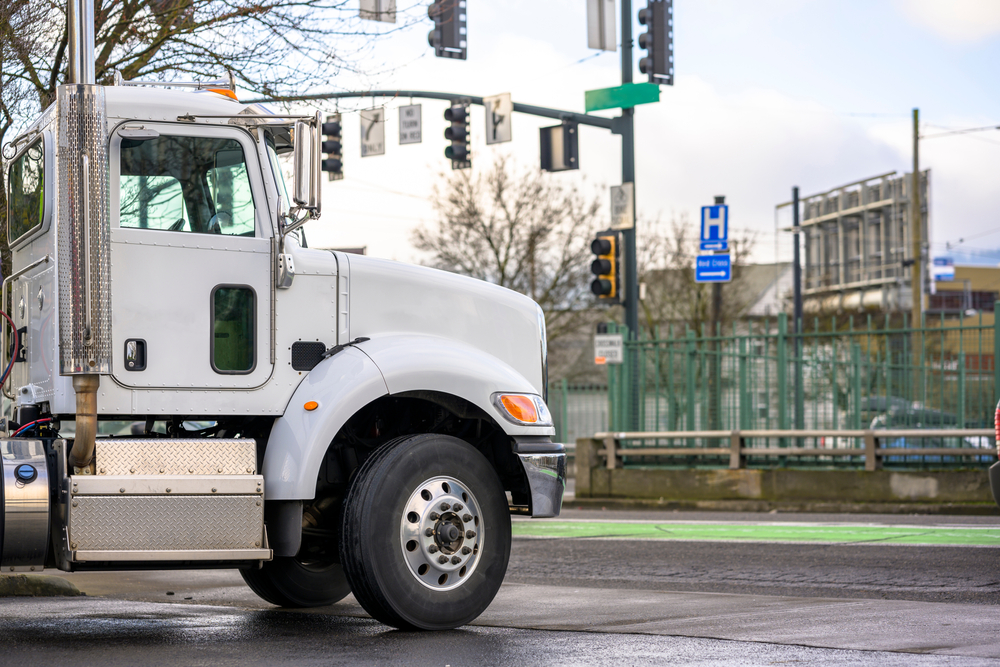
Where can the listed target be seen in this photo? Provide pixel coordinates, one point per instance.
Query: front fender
(362, 373)
(421, 362)
(341, 385)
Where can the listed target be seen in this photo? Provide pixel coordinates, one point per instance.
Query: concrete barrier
(779, 485)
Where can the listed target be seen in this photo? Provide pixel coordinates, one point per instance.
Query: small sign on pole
(608, 349)
(372, 132)
(379, 10)
(943, 269)
(713, 269)
(715, 227)
(601, 25)
(623, 206)
(409, 124)
(499, 109)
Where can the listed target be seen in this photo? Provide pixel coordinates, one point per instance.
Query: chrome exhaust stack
(80, 23)
(84, 243)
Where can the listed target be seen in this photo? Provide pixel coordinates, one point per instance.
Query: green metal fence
(578, 410)
(854, 373)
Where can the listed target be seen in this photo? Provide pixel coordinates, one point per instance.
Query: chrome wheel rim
(441, 533)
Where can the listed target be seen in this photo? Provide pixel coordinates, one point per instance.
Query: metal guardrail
(738, 450)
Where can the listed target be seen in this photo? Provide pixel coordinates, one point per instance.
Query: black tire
(387, 493)
(287, 582)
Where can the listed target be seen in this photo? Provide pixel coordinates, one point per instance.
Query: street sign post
(372, 132)
(608, 349)
(499, 110)
(713, 269)
(714, 227)
(409, 124)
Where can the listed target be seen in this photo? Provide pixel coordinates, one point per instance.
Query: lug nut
(466, 551)
(455, 560)
(467, 518)
(429, 532)
(445, 507)
(434, 516)
(442, 559)
(457, 507)
(433, 548)
(470, 534)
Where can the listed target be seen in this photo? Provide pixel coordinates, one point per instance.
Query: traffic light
(658, 41)
(607, 281)
(449, 33)
(458, 135)
(559, 146)
(333, 161)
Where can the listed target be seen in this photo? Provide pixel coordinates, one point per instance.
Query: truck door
(191, 258)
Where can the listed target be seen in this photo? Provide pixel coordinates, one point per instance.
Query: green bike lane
(804, 532)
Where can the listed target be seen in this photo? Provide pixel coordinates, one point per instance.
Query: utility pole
(916, 227)
(917, 268)
(800, 406)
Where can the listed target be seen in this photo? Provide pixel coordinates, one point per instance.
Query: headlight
(523, 409)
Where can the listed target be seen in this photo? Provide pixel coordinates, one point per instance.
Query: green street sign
(622, 97)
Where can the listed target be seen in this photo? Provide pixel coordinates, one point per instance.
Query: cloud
(958, 21)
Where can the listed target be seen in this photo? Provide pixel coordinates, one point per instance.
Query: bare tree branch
(519, 229)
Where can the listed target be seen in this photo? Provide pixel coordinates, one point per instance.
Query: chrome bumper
(545, 467)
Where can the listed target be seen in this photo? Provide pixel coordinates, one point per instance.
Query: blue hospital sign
(713, 269)
(715, 227)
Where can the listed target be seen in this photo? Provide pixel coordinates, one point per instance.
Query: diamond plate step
(153, 456)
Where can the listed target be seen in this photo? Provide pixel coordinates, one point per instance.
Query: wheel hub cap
(441, 533)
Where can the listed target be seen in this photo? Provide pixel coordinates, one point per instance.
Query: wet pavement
(567, 601)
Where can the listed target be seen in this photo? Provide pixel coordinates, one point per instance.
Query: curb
(36, 585)
(804, 506)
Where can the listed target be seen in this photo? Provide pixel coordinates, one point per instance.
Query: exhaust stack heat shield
(84, 232)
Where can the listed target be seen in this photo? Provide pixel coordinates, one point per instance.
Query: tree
(519, 228)
(666, 264)
(274, 48)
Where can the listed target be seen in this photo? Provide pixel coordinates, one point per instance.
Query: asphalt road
(590, 600)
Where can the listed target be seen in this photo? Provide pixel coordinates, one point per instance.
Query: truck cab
(327, 423)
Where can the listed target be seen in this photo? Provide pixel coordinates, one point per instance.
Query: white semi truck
(327, 423)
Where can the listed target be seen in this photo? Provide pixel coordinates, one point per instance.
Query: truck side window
(233, 319)
(190, 184)
(26, 196)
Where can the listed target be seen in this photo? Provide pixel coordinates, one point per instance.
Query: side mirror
(307, 159)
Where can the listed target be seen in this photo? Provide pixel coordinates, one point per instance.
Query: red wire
(30, 424)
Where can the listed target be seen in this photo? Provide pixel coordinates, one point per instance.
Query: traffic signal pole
(625, 127)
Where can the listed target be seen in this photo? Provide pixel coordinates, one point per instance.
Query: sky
(768, 95)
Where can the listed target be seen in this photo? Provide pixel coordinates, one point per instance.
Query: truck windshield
(189, 184)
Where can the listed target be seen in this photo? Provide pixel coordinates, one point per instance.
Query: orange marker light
(311, 405)
(521, 408)
(224, 91)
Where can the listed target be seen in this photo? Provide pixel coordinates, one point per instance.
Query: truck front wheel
(425, 538)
